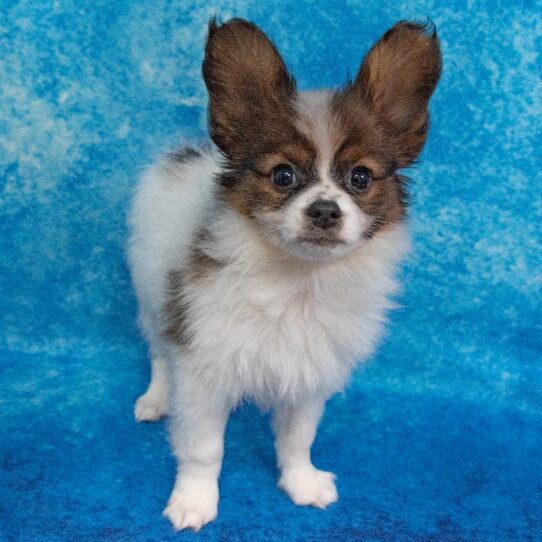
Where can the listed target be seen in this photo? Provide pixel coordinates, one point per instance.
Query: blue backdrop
(439, 438)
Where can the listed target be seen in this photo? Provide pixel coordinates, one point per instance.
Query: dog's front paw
(193, 505)
(150, 407)
(309, 486)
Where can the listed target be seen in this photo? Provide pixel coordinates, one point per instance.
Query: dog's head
(318, 172)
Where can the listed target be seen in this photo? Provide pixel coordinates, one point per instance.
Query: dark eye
(284, 175)
(361, 177)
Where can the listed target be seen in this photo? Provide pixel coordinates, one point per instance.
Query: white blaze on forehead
(315, 121)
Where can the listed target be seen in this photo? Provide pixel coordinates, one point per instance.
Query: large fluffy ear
(395, 82)
(250, 89)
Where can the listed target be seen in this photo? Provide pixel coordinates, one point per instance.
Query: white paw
(150, 407)
(309, 486)
(193, 505)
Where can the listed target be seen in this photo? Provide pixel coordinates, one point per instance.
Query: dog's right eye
(284, 176)
(361, 178)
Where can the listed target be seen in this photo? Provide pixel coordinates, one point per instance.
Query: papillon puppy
(264, 261)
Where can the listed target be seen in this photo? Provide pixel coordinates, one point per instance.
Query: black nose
(324, 213)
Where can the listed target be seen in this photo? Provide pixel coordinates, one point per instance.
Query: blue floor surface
(438, 439)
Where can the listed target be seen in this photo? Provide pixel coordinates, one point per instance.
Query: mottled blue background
(439, 438)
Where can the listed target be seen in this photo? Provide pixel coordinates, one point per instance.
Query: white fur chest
(271, 328)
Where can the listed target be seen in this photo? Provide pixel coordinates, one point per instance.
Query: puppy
(264, 262)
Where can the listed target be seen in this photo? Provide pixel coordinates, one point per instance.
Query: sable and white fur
(272, 319)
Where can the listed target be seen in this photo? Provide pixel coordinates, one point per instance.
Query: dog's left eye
(284, 175)
(360, 178)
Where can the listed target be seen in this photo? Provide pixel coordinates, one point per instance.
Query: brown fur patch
(255, 193)
(391, 92)
(299, 153)
(177, 305)
(385, 198)
(175, 309)
(384, 201)
(399, 75)
(251, 190)
(250, 90)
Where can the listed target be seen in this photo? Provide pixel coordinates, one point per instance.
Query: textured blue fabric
(438, 438)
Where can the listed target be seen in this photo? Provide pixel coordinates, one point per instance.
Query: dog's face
(317, 172)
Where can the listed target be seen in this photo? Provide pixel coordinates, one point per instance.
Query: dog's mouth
(320, 239)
